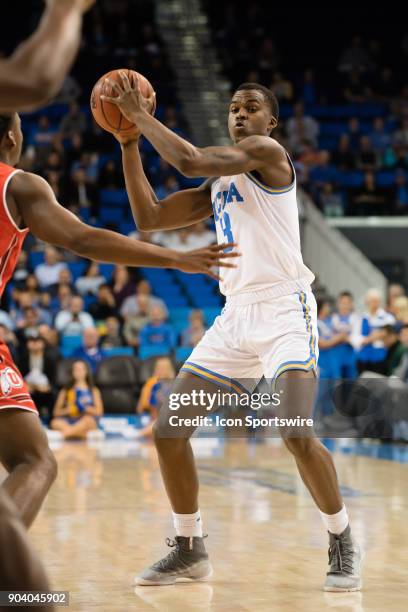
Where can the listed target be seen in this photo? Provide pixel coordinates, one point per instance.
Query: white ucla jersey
(264, 222)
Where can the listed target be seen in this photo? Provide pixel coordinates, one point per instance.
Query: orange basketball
(106, 114)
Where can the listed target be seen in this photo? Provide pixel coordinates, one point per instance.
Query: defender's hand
(129, 99)
(202, 261)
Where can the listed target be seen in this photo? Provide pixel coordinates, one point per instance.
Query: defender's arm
(36, 70)
(34, 199)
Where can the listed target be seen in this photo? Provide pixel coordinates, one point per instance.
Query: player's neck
(5, 158)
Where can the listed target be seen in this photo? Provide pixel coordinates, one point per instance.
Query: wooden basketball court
(107, 516)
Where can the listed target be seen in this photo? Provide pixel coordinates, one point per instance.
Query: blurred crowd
(344, 120)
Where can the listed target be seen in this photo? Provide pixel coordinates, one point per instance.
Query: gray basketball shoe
(345, 560)
(188, 561)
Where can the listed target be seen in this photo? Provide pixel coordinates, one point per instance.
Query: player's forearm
(107, 246)
(172, 148)
(142, 198)
(41, 63)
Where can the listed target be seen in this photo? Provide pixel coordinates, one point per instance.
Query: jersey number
(225, 223)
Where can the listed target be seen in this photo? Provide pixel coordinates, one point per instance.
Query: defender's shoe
(187, 561)
(345, 560)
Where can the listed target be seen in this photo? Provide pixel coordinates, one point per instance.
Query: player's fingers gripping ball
(116, 96)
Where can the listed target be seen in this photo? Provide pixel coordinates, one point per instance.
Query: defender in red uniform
(27, 202)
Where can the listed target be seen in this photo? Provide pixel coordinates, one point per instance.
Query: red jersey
(11, 237)
(13, 389)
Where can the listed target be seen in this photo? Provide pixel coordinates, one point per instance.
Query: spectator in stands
(367, 158)
(355, 91)
(401, 135)
(157, 337)
(154, 392)
(329, 366)
(355, 57)
(282, 88)
(195, 331)
(92, 279)
(331, 201)
(402, 370)
(48, 272)
(354, 133)
(8, 337)
(74, 121)
(394, 291)
(369, 199)
(32, 287)
(345, 320)
(308, 89)
(6, 321)
(131, 306)
(301, 127)
(21, 272)
(81, 191)
(28, 325)
(122, 285)
(112, 337)
(380, 139)
(201, 235)
(38, 366)
(400, 309)
(343, 157)
(51, 338)
(62, 300)
(105, 305)
(74, 321)
(110, 176)
(401, 194)
(169, 186)
(79, 405)
(368, 335)
(385, 87)
(90, 351)
(394, 351)
(135, 322)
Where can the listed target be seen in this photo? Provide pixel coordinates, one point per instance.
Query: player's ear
(272, 123)
(11, 139)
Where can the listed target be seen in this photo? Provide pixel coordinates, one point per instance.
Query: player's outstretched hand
(129, 99)
(205, 260)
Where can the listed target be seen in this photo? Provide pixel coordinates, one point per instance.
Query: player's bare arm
(179, 209)
(36, 70)
(32, 203)
(250, 124)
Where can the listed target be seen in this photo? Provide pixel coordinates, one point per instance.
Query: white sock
(336, 523)
(188, 525)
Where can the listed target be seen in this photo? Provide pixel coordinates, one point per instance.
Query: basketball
(106, 114)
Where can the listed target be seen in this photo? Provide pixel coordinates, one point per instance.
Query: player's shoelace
(341, 557)
(174, 560)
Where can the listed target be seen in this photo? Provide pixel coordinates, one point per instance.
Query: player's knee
(165, 444)
(300, 447)
(49, 465)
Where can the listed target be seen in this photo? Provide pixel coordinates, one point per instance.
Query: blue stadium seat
(210, 314)
(176, 301)
(127, 227)
(114, 197)
(77, 268)
(386, 178)
(153, 351)
(35, 258)
(69, 344)
(119, 351)
(111, 215)
(354, 178)
(179, 314)
(106, 269)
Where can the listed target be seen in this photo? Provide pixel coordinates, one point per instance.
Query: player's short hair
(268, 95)
(5, 124)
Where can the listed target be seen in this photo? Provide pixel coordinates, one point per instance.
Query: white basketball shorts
(262, 339)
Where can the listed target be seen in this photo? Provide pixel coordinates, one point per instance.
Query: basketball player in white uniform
(268, 326)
